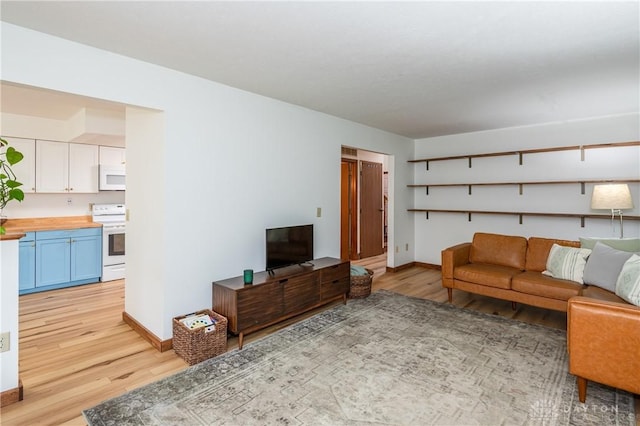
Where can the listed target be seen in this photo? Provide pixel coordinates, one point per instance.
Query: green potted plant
(8, 182)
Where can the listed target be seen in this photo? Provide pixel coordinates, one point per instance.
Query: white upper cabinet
(52, 166)
(66, 167)
(112, 156)
(83, 168)
(25, 170)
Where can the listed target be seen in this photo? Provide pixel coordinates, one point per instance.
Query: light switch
(319, 212)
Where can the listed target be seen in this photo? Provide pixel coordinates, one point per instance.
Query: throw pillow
(604, 265)
(628, 285)
(625, 244)
(567, 263)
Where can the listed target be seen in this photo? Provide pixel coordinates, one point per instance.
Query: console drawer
(301, 292)
(335, 272)
(337, 287)
(259, 305)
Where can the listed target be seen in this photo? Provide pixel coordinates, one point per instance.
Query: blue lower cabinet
(86, 257)
(27, 263)
(53, 260)
(64, 258)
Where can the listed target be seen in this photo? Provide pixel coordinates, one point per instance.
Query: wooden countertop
(20, 226)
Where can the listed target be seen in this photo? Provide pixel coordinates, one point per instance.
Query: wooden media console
(284, 293)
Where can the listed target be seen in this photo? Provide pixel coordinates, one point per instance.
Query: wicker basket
(360, 285)
(197, 345)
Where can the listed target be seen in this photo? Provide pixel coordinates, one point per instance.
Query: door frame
(351, 251)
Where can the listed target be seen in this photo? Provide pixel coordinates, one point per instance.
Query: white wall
(9, 313)
(443, 229)
(229, 165)
(52, 205)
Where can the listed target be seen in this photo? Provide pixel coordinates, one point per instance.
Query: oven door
(113, 244)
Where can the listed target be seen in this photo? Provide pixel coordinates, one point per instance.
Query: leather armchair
(603, 340)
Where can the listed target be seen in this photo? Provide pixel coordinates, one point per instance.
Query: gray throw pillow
(604, 265)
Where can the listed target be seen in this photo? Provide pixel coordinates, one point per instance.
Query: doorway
(363, 207)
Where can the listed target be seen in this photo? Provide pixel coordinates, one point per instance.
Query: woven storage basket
(197, 345)
(360, 285)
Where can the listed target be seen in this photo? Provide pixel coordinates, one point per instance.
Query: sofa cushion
(604, 265)
(594, 292)
(567, 263)
(538, 251)
(628, 285)
(535, 283)
(485, 274)
(496, 249)
(625, 244)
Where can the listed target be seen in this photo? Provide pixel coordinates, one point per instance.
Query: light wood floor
(75, 350)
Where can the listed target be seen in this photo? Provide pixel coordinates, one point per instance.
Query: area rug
(385, 360)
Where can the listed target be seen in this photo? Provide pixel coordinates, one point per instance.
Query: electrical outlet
(406, 247)
(69, 201)
(397, 249)
(4, 341)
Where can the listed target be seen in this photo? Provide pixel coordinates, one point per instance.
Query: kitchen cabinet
(27, 262)
(112, 156)
(25, 170)
(83, 168)
(66, 167)
(53, 260)
(64, 258)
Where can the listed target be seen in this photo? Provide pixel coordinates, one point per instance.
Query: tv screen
(289, 245)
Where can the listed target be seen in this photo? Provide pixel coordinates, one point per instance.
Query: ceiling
(417, 69)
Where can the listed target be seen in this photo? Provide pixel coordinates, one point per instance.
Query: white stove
(113, 220)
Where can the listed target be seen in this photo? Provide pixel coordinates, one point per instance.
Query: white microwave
(112, 178)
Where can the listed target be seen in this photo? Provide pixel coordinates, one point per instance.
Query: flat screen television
(289, 245)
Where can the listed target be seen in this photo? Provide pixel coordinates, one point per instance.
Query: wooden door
(348, 209)
(371, 210)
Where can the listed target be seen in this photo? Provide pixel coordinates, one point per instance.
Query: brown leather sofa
(508, 267)
(603, 330)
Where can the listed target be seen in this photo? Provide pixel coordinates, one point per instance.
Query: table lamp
(614, 197)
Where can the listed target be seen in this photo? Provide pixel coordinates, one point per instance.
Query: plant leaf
(13, 156)
(13, 183)
(16, 194)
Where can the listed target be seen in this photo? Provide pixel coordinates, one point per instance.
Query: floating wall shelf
(469, 213)
(521, 153)
(521, 184)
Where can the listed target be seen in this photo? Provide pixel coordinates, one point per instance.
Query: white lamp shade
(614, 196)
